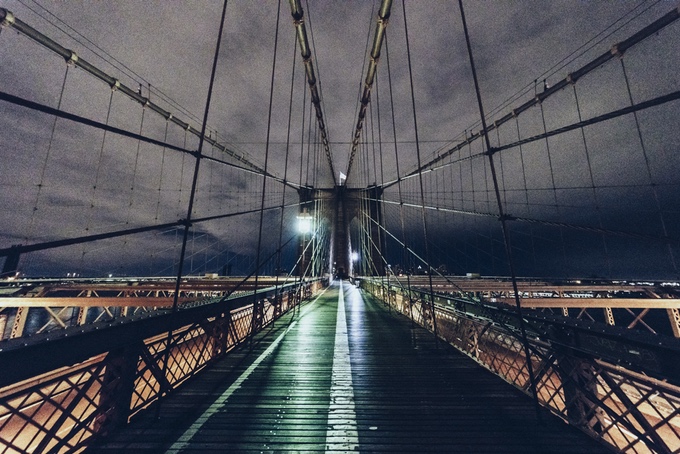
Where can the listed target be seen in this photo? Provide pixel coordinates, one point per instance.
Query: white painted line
(342, 434)
(217, 406)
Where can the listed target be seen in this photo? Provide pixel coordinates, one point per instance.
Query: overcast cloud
(91, 184)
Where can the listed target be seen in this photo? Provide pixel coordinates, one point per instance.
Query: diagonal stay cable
(501, 216)
(256, 319)
(21, 249)
(187, 223)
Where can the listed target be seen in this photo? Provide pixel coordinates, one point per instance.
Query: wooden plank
(410, 394)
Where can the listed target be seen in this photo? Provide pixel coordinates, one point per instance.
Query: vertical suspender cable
(375, 163)
(256, 303)
(96, 178)
(134, 168)
(309, 142)
(553, 187)
(592, 183)
(160, 177)
(302, 129)
(314, 88)
(655, 191)
(187, 221)
(401, 196)
(526, 191)
(302, 155)
(29, 230)
(381, 210)
(378, 37)
(420, 178)
(285, 172)
(501, 215)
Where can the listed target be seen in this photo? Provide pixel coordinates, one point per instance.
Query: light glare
(305, 224)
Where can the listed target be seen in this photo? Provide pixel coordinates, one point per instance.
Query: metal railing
(58, 395)
(621, 389)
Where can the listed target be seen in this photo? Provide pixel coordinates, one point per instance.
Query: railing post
(117, 388)
(426, 314)
(258, 315)
(220, 335)
(277, 305)
(579, 379)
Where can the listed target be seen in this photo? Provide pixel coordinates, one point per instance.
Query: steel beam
(600, 303)
(110, 301)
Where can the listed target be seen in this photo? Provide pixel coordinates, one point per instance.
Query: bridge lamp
(304, 223)
(355, 256)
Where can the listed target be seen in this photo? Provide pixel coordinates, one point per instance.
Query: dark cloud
(95, 184)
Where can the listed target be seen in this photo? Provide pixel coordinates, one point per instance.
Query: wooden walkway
(345, 375)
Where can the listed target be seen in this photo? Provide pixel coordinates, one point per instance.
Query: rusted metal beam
(674, 318)
(19, 323)
(91, 302)
(632, 303)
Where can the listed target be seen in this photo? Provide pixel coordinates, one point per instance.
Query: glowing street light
(304, 222)
(355, 256)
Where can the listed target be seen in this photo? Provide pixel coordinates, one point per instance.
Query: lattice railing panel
(190, 351)
(54, 416)
(62, 410)
(629, 411)
(146, 387)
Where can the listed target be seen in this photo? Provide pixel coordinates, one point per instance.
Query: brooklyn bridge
(438, 226)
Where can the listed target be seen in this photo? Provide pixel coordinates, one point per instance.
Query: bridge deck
(368, 381)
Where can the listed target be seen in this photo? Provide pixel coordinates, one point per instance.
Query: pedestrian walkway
(346, 375)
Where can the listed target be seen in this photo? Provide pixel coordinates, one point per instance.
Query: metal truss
(649, 307)
(632, 411)
(55, 305)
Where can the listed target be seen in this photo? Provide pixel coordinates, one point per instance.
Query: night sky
(62, 180)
